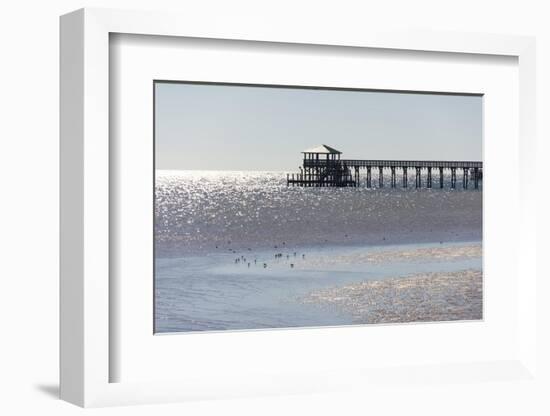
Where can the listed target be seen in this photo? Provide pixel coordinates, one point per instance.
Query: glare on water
(199, 210)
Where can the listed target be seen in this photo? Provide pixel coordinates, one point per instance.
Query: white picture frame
(87, 303)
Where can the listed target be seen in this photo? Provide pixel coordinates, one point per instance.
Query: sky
(226, 127)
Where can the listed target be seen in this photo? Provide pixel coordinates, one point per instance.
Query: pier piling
(453, 178)
(369, 177)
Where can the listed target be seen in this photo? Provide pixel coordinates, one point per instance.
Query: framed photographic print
(264, 212)
(240, 244)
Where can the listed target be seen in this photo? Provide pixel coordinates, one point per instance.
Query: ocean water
(237, 250)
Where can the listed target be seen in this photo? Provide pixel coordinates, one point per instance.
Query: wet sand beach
(403, 254)
(442, 296)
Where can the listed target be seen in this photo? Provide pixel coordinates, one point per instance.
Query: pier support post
(441, 177)
(380, 177)
(418, 182)
(465, 178)
(476, 178)
(453, 178)
(429, 184)
(356, 176)
(368, 177)
(393, 176)
(317, 171)
(405, 179)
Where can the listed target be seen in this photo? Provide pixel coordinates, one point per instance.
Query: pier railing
(351, 163)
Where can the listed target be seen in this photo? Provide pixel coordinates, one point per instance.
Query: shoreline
(380, 244)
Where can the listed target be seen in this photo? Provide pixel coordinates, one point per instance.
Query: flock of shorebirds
(277, 256)
(243, 260)
(295, 255)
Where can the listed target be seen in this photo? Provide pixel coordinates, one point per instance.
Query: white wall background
(29, 199)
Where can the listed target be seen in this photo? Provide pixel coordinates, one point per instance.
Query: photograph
(300, 207)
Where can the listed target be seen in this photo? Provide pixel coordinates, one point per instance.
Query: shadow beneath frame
(51, 390)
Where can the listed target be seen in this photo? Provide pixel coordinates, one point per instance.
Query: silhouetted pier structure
(323, 166)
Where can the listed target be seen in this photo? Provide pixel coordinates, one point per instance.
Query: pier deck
(323, 167)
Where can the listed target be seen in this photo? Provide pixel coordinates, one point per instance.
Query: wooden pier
(323, 167)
